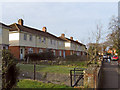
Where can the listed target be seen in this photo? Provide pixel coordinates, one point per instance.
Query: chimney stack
(71, 38)
(20, 22)
(62, 35)
(76, 40)
(44, 29)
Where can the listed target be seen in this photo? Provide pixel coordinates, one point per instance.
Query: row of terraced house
(23, 40)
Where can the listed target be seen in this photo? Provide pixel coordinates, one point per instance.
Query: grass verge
(28, 83)
(61, 69)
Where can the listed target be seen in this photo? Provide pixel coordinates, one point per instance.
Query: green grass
(48, 68)
(27, 83)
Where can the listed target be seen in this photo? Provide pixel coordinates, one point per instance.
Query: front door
(64, 54)
(21, 53)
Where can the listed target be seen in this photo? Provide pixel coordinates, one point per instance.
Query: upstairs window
(30, 38)
(40, 39)
(25, 36)
(44, 40)
(54, 42)
(51, 41)
(59, 42)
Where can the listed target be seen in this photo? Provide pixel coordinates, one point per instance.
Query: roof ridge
(17, 26)
(29, 27)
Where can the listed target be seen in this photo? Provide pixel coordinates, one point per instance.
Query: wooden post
(74, 76)
(34, 70)
(71, 78)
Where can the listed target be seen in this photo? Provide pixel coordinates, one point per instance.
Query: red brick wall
(15, 50)
(67, 52)
(56, 52)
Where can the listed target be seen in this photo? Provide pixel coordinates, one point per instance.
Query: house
(73, 47)
(4, 36)
(24, 40)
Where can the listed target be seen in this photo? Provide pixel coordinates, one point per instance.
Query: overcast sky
(77, 19)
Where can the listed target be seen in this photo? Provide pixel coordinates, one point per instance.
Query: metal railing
(75, 76)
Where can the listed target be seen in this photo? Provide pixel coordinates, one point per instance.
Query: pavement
(111, 76)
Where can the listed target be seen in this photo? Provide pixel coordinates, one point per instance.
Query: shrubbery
(9, 70)
(75, 57)
(40, 56)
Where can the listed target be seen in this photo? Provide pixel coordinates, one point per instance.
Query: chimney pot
(62, 35)
(71, 38)
(20, 22)
(44, 29)
(76, 40)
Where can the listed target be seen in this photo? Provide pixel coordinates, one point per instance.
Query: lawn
(49, 68)
(28, 83)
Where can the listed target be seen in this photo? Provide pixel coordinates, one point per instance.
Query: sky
(76, 19)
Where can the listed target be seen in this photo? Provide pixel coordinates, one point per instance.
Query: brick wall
(67, 52)
(15, 50)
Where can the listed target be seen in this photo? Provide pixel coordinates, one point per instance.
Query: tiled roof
(67, 39)
(17, 27)
(3, 25)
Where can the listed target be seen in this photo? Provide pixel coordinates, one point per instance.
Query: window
(78, 53)
(51, 41)
(30, 50)
(59, 42)
(30, 38)
(60, 53)
(54, 42)
(44, 40)
(54, 52)
(40, 50)
(40, 39)
(71, 53)
(25, 36)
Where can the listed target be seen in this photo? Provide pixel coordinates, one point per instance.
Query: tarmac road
(111, 76)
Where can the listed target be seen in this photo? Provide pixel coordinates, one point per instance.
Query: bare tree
(114, 37)
(94, 48)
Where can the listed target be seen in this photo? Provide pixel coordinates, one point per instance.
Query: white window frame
(71, 53)
(51, 41)
(30, 50)
(60, 53)
(25, 36)
(54, 52)
(40, 39)
(30, 37)
(40, 50)
(44, 39)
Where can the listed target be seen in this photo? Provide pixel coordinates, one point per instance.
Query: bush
(75, 57)
(40, 56)
(9, 70)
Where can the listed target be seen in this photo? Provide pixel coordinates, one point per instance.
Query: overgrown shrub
(71, 57)
(9, 70)
(40, 56)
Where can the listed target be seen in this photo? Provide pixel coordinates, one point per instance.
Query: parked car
(105, 57)
(115, 58)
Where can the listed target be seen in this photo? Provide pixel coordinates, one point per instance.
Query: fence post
(34, 70)
(74, 76)
(71, 78)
